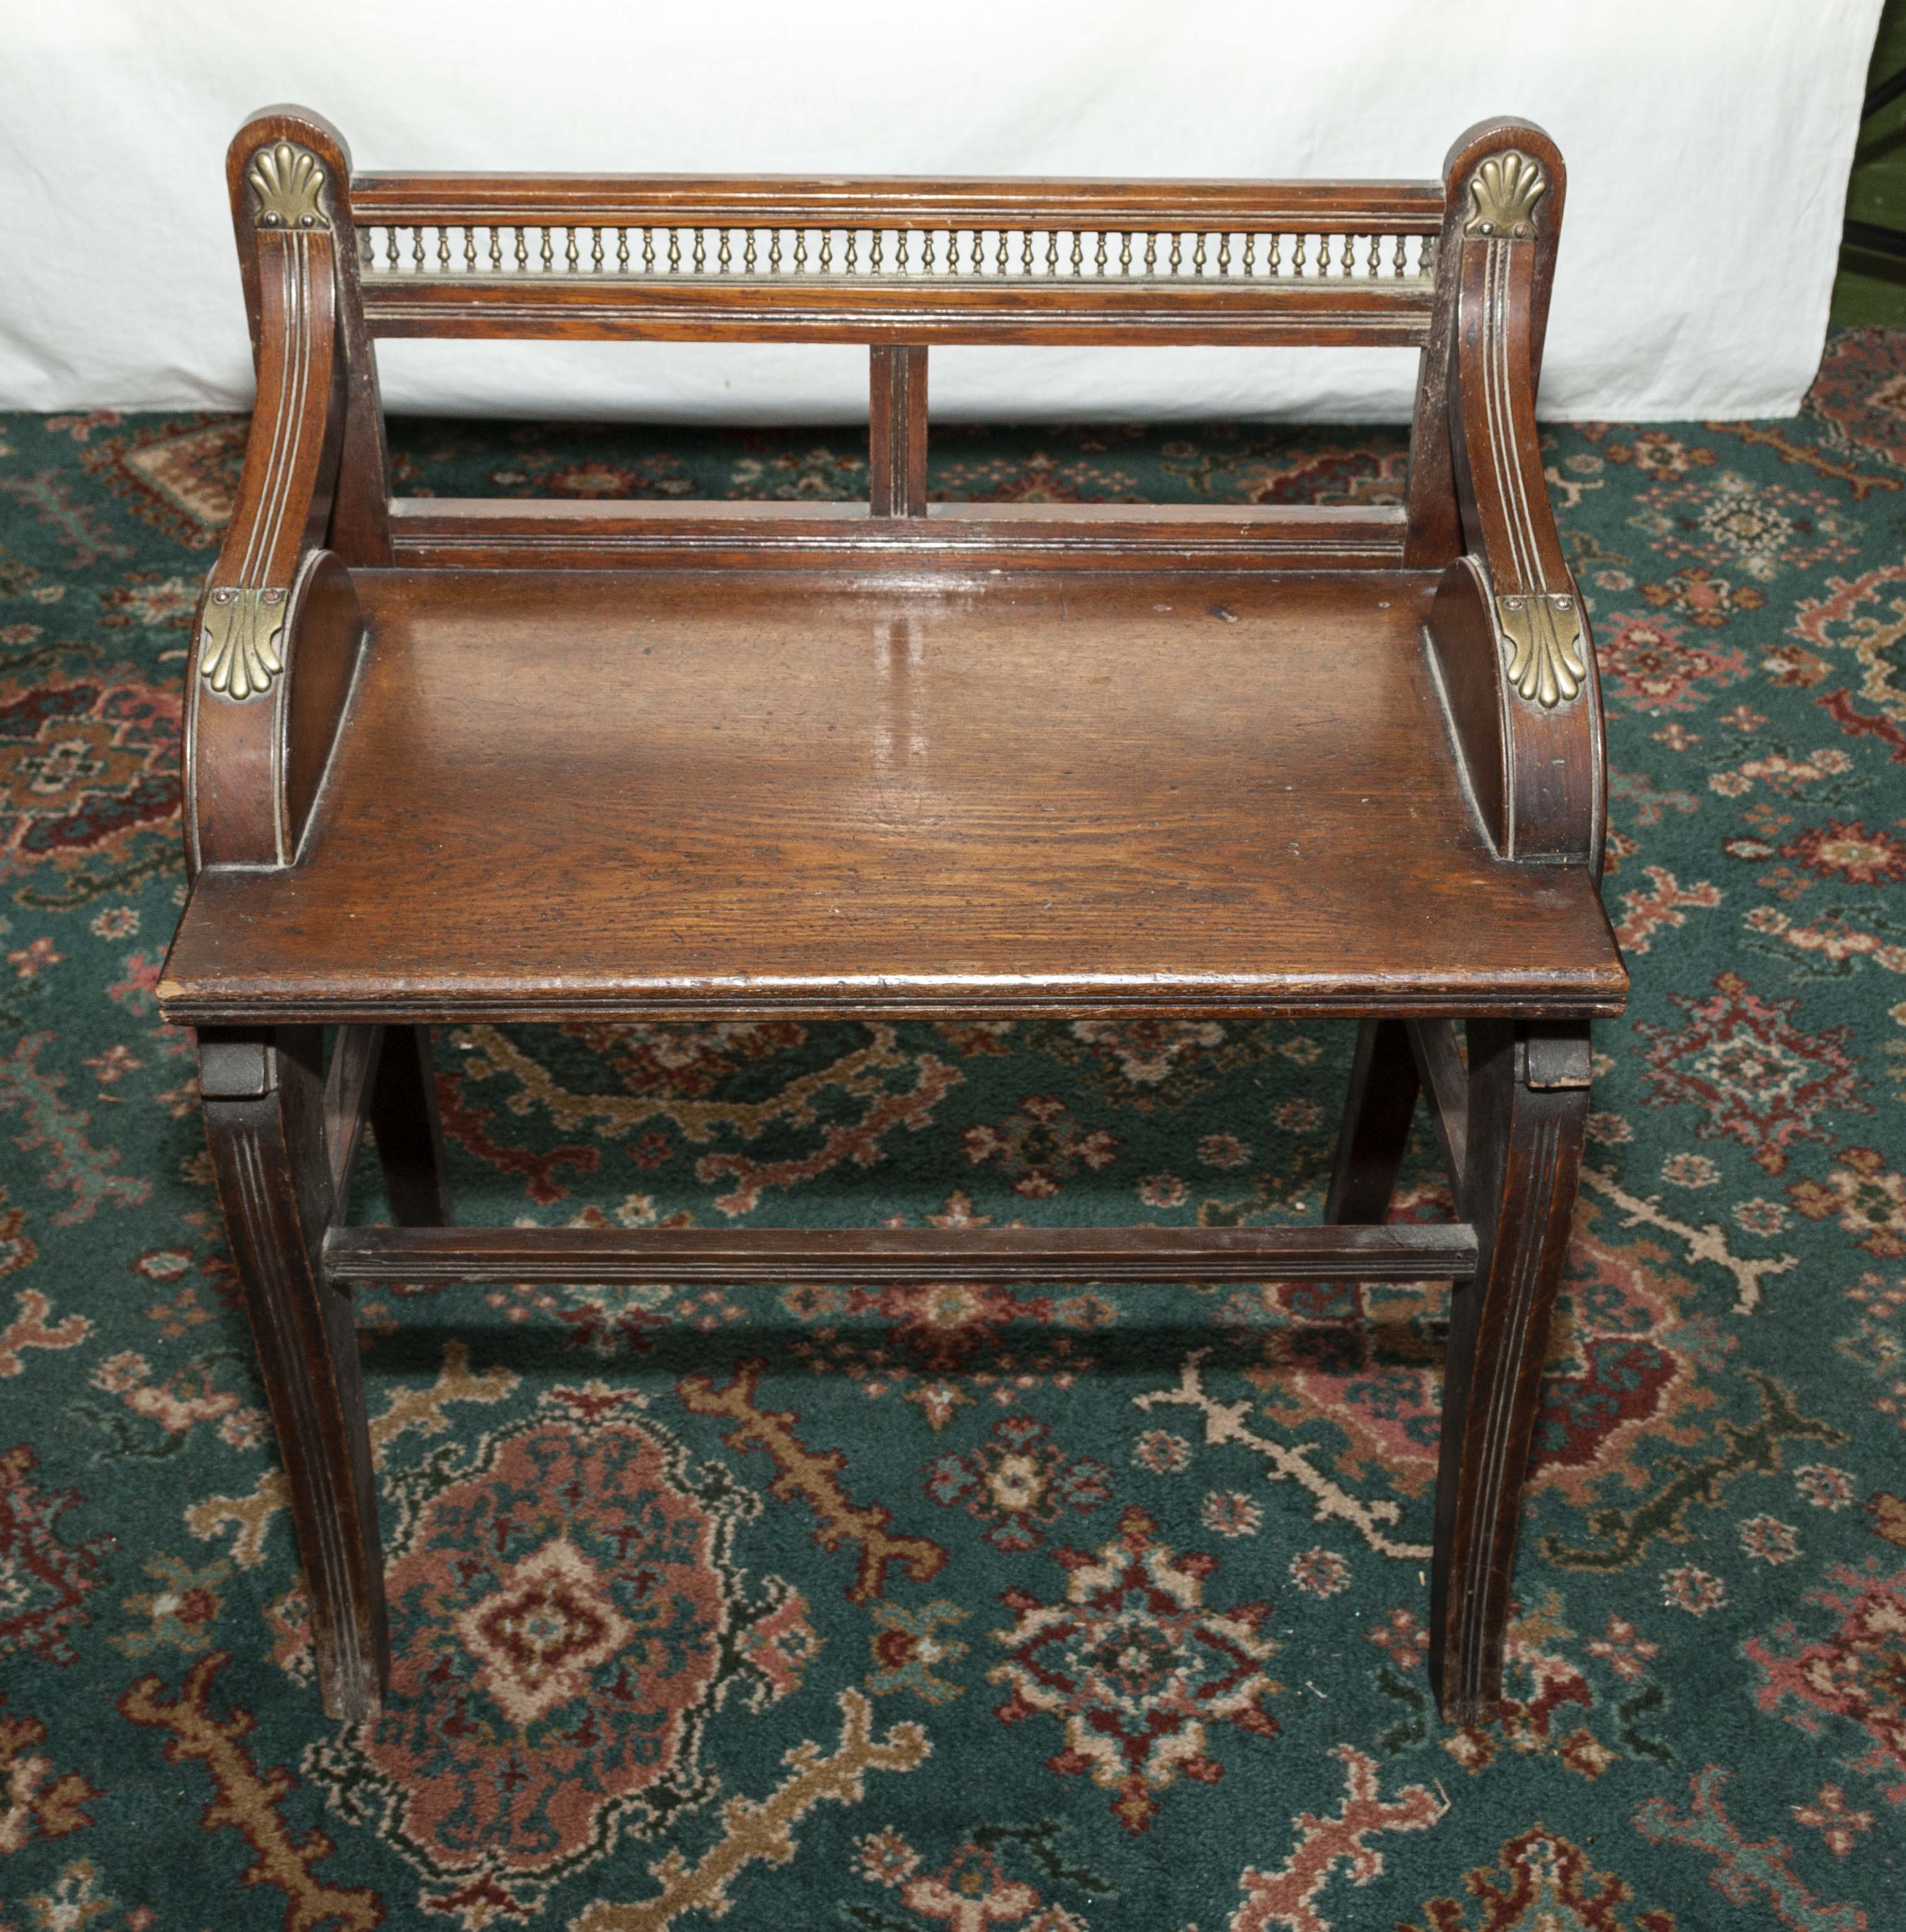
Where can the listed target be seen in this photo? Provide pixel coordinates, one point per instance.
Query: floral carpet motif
(1055, 1610)
(565, 1617)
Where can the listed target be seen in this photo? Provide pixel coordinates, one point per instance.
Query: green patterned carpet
(964, 1609)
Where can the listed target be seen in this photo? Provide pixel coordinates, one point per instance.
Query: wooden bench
(456, 761)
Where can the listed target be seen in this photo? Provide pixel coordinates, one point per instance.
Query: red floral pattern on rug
(1649, 663)
(1848, 851)
(1137, 1668)
(1860, 392)
(1758, 1079)
(1541, 1882)
(44, 1581)
(566, 1618)
(1856, 1673)
(1018, 1483)
(83, 767)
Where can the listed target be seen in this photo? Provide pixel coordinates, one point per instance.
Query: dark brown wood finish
(1525, 1144)
(278, 630)
(894, 202)
(501, 760)
(481, 533)
(408, 1130)
(1530, 733)
(427, 1254)
(1435, 523)
(1089, 313)
(1377, 1114)
(1077, 793)
(264, 1124)
(359, 529)
(348, 1081)
(896, 433)
(1443, 1075)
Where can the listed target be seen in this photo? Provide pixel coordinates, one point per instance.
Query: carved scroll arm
(1509, 622)
(1507, 519)
(249, 765)
(243, 619)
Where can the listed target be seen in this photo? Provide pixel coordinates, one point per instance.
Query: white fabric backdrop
(1708, 143)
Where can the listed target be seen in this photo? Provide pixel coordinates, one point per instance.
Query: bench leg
(1377, 1113)
(1528, 1106)
(408, 1132)
(264, 1111)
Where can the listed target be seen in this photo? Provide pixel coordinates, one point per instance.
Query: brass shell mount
(1503, 193)
(287, 181)
(1541, 631)
(240, 653)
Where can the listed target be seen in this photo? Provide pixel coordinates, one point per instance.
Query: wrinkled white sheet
(1708, 143)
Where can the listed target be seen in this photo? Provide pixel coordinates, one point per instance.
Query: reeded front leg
(1528, 1097)
(1377, 1112)
(264, 1115)
(408, 1132)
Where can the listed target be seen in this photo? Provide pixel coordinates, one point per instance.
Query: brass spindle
(1177, 251)
(470, 249)
(701, 247)
(826, 250)
(1078, 252)
(1296, 256)
(852, 237)
(1198, 254)
(571, 259)
(722, 255)
(1224, 251)
(648, 251)
(1272, 266)
(417, 248)
(1375, 255)
(390, 245)
(1150, 251)
(622, 249)
(1396, 257)
(774, 251)
(1349, 255)
(674, 249)
(1124, 251)
(1427, 259)
(1098, 254)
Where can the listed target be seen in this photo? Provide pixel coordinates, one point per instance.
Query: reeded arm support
(1508, 623)
(257, 734)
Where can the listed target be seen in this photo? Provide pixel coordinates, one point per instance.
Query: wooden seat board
(664, 792)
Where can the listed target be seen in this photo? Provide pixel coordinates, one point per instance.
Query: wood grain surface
(673, 792)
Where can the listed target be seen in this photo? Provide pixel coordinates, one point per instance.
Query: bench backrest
(900, 264)
(785, 259)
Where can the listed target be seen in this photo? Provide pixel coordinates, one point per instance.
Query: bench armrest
(1508, 625)
(278, 627)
